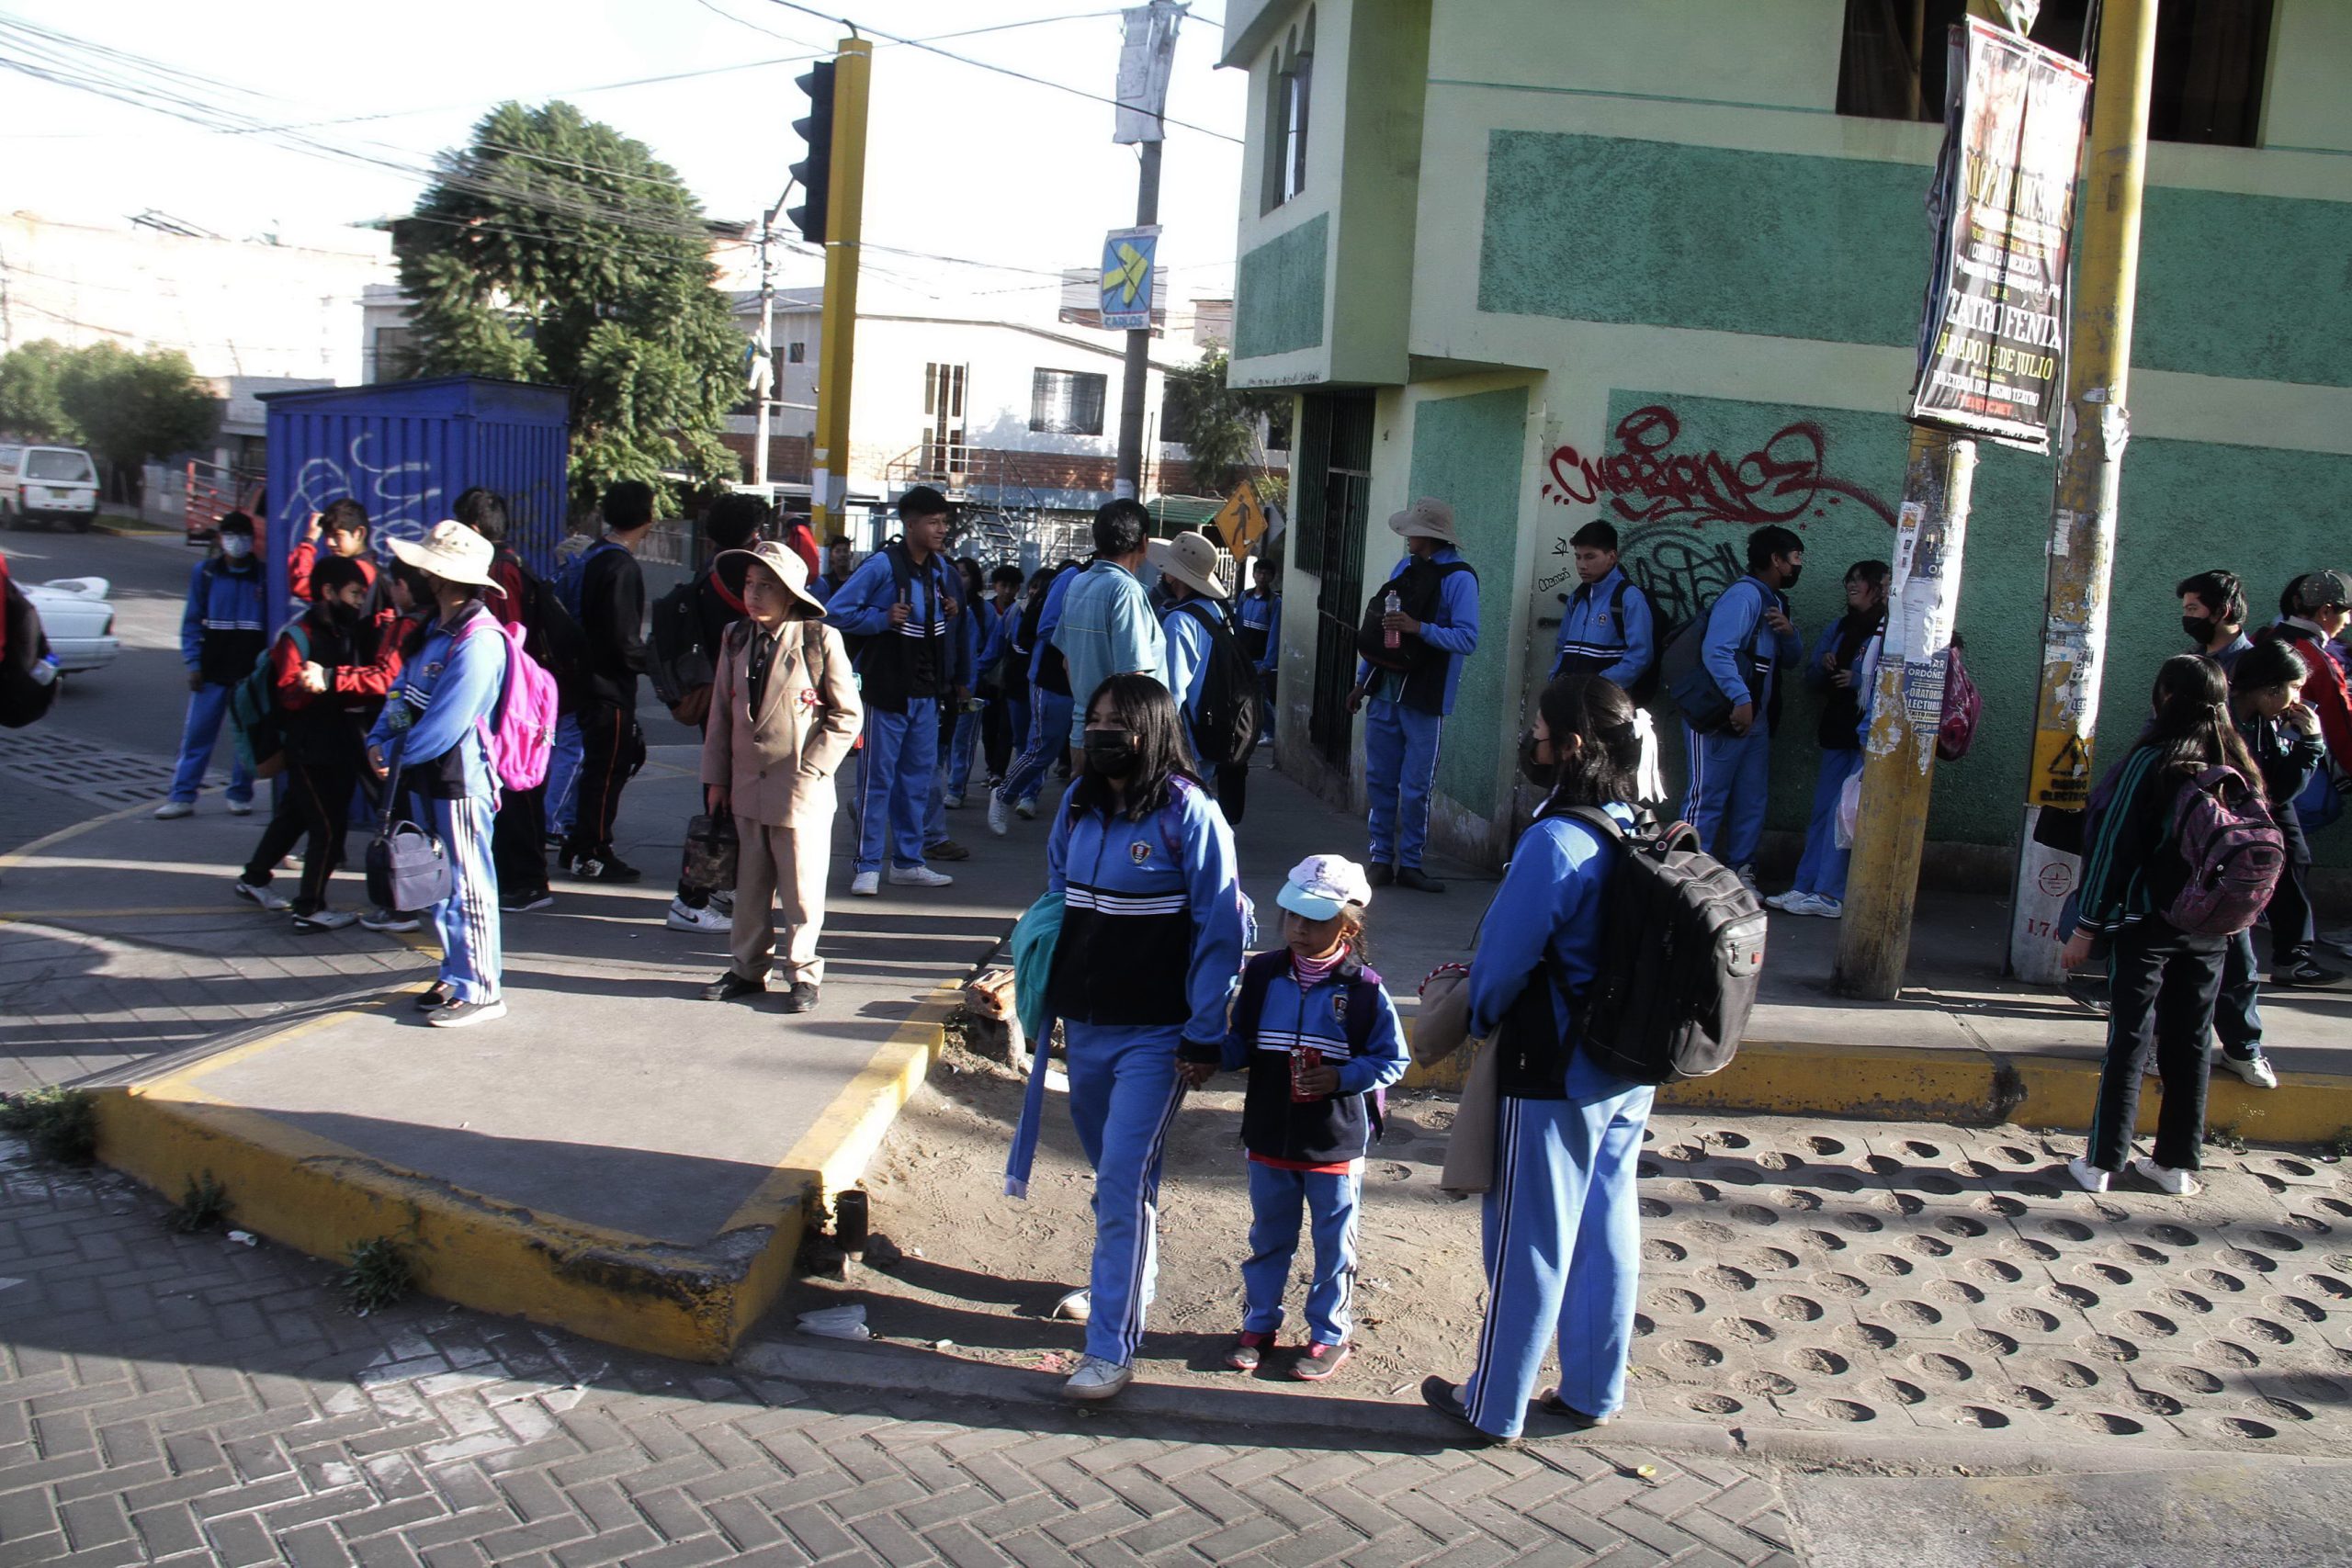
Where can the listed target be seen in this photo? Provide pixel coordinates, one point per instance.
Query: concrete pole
(1128, 477)
(1899, 754)
(2092, 434)
(836, 351)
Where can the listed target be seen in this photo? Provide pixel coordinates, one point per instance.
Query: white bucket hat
(1194, 559)
(453, 553)
(734, 565)
(1428, 518)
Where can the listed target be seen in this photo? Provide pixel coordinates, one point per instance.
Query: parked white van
(50, 484)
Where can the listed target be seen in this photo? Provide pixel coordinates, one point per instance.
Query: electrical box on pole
(815, 173)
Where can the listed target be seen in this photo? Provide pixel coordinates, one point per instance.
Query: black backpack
(1420, 590)
(23, 698)
(679, 665)
(1681, 953)
(1224, 725)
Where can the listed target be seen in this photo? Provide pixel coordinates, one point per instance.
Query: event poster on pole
(1993, 338)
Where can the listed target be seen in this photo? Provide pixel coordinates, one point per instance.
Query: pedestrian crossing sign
(1130, 278)
(1241, 521)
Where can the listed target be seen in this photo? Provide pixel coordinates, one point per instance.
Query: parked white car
(78, 621)
(50, 484)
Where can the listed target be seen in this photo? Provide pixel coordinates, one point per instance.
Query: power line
(985, 65)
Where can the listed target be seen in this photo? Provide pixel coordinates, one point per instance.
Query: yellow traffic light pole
(836, 336)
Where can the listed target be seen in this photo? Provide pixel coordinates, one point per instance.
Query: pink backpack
(520, 732)
(2235, 852)
(1962, 707)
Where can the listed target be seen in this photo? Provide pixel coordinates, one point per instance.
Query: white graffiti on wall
(401, 500)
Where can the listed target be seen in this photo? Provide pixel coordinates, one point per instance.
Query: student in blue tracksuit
(1261, 635)
(1150, 946)
(439, 718)
(1108, 626)
(1320, 1040)
(222, 638)
(1748, 636)
(1049, 704)
(1839, 666)
(1407, 691)
(1607, 627)
(1003, 679)
(959, 731)
(1561, 1232)
(1193, 568)
(900, 604)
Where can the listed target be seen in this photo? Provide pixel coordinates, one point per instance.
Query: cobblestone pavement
(173, 1399)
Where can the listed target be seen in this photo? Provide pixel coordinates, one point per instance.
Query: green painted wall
(1469, 451)
(2264, 512)
(1278, 286)
(1608, 229)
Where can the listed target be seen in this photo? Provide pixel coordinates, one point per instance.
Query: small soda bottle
(1391, 637)
(1302, 1059)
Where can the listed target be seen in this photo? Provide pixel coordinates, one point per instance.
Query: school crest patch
(1339, 1005)
(1138, 852)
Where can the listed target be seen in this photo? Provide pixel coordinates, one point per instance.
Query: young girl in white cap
(1320, 1040)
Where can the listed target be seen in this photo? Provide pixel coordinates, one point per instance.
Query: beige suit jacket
(778, 765)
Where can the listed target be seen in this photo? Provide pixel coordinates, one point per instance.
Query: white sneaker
(253, 893)
(1746, 874)
(172, 810)
(1000, 815)
(2164, 1178)
(1828, 908)
(241, 808)
(919, 877)
(952, 802)
(324, 920)
(1787, 902)
(1097, 1379)
(684, 917)
(2254, 1069)
(1078, 1306)
(2088, 1176)
(1027, 809)
(387, 920)
(866, 884)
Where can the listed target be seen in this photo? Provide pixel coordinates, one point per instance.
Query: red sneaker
(1319, 1361)
(1246, 1351)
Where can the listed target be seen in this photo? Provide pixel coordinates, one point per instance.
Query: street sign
(1241, 521)
(1130, 257)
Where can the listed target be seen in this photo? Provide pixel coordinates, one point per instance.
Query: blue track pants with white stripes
(1122, 1095)
(1330, 1198)
(1562, 1241)
(1046, 743)
(1731, 777)
(467, 920)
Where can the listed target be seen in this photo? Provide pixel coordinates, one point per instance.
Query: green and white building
(1650, 260)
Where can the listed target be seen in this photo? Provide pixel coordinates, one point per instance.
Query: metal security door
(1334, 501)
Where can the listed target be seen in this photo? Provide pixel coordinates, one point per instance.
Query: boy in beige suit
(783, 713)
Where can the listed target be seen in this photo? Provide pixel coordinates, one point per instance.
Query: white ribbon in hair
(1649, 778)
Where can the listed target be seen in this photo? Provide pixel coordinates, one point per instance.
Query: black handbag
(406, 868)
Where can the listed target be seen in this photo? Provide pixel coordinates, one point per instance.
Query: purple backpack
(2235, 852)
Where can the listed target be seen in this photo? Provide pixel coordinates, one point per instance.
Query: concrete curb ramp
(321, 1198)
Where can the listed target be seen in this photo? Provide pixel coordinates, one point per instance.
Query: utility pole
(2090, 471)
(1137, 374)
(765, 379)
(844, 207)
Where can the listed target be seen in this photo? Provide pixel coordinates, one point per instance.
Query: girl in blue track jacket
(1561, 1233)
(1151, 944)
(439, 717)
(1320, 1040)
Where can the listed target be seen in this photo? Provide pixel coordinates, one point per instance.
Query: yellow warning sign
(1241, 521)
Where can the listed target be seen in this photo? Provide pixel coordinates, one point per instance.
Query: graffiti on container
(1643, 480)
(401, 500)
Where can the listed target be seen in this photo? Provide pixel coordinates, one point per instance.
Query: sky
(963, 163)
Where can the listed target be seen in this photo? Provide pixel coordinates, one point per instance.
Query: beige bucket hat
(734, 565)
(452, 552)
(1194, 559)
(1428, 518)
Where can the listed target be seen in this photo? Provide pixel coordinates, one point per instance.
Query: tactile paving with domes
(1931, 1279)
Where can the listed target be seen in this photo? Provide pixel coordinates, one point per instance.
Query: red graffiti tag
(1778, 482)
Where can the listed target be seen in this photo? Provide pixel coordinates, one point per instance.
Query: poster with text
(1993, 338)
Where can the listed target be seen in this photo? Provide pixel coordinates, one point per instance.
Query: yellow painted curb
(321, 1198)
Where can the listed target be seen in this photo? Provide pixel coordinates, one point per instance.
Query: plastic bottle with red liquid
(1391, 637)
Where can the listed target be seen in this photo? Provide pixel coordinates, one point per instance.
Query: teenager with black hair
(1838, 668)
(1748, 636)
(223, 634)
(2162, 980)
(1562, 1233)
(2212, 616)
(341, 531)
(612, 622)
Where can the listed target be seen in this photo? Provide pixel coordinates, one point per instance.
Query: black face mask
(1794, 572)
(2200, 629)
(342, 617)
(1540, 773)
(1110, 753)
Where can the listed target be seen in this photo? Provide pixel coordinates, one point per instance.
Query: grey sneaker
(387, 921)
(172, 810)
(1097, 1379)
(259, 893)
(319, 920)
(458, 1015)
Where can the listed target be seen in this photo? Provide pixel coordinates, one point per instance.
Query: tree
(1217, 424)
(29, 404)
(555, 249)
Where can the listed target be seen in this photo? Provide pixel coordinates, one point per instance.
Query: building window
(2208, 68)
(395, 356)
(1067, 402)
(796, 353)
(1290, 89)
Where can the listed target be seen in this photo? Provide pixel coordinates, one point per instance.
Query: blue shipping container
(406, 450)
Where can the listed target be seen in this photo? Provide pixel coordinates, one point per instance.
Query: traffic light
(815, 173)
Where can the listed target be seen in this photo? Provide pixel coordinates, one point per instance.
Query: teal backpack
(252, 710)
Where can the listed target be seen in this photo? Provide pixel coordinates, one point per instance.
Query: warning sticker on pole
(1993, 337)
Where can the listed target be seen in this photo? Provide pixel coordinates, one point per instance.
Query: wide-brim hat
(1194, 559)
(452, 552)
(734, 565)
(1428, 518)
